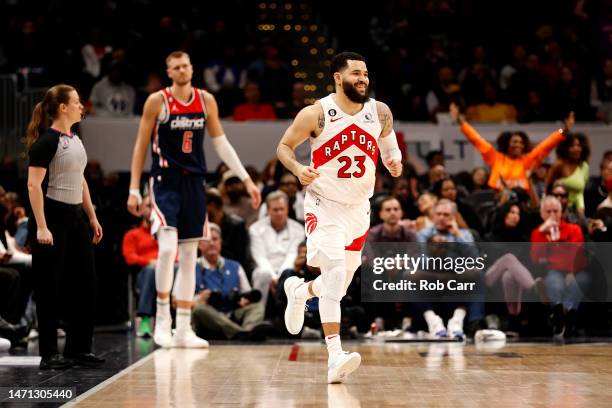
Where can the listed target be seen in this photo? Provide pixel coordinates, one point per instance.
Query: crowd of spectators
(543, 61)
(241, 270)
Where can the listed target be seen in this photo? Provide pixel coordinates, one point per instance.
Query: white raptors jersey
(345, 153)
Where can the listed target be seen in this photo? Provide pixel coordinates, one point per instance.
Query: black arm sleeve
(42, 151)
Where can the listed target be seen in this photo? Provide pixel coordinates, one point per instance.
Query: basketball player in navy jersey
(174, 120)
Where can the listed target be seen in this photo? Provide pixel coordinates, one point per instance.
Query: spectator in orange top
(253, 108)
(514, 158)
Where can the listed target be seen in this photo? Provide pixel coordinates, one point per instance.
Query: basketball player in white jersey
(346, 130)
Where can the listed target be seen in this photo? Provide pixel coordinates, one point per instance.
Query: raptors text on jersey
(345, 153)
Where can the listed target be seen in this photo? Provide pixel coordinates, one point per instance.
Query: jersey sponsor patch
(311, 223)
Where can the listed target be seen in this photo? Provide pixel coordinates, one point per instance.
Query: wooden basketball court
(392, 375)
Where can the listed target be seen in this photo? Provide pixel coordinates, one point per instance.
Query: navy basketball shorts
(178, 201)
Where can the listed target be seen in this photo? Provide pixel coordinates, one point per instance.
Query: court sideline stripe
(110, 380)
(293, 355)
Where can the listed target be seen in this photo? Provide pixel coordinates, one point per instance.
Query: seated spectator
(572, 168)
(445, 229)
(140, 249)
(480, 175)
(253, 108)
(236, 200)
(392, 229)
(296, 103)
(514, 157)
(566, 279)
(12, 329)
(225, 77)
(515, 277)
(235, 242)
(445, 224)
(426, 203)
(224, 304)
(443, 92)
(289, 184)
(274, 243)
(446, 188)
(596, 190)
(491, 110)
(538, 179)
(112, 96)
(435, 169)
(601, 92)
(569, 213)
(406, 196)
(154, 84)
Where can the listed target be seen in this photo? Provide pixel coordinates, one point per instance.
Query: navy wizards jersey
(178, 136)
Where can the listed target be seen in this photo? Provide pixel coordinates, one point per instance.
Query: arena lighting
(304, 39)
(295, 62)
(313, 51)
(287, 27)
(298, 27)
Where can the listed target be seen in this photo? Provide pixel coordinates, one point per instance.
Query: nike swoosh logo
(332, 120)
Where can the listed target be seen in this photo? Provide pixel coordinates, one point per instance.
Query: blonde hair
(175, 55)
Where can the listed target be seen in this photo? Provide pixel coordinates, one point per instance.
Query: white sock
(163, 309)
(459, 314)
(303, 291)
(333, 344)
(183, 320)
(430, 315)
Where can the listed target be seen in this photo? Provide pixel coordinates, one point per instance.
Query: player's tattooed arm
(321, 121)
(385, 117)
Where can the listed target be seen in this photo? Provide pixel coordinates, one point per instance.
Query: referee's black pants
(64, 280)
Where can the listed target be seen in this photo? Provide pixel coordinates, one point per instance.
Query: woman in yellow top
(572, 168)
(514, 158)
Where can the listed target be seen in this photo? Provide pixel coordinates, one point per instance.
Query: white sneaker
(162, 335)
(436, 327)
(5, 344)
(294, 313)
(188, 339)
(455, 329)
(341, 365)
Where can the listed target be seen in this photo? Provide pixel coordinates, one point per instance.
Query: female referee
(62, 251)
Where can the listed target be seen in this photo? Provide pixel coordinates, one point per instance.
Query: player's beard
(353, 94)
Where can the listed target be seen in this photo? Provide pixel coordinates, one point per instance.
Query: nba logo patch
(65, 143)
(332, 112)
(311, 223)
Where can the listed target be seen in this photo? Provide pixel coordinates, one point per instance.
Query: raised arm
(151, 110)
(225, 150)
(389, 149)
(543, 149)
(485, 148)
(308, 122)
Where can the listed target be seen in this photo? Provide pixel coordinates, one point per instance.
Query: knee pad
(333, 279)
